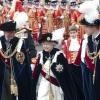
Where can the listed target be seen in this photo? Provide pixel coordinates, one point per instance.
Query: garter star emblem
(59, 68)
(20, 57)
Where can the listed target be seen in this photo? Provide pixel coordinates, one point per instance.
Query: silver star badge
(59, 68)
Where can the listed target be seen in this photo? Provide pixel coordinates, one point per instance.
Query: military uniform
(57, 21)
(70, 50)
(72, 45)
(46, 22)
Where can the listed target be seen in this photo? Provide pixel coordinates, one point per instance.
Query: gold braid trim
(20, 31)
(96, 55)
(94, 58)
(10, 55)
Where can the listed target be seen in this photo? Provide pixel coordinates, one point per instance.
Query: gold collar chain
(10, 55)
(95, 55)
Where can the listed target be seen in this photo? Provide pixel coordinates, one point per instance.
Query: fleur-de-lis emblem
(59, 68)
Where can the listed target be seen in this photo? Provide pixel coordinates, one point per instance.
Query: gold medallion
(20, 57)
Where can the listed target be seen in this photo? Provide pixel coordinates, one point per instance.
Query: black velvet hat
(63, 2)
(46, 38)
(73, 3)
(36, 0)
(8, 26)
(47, 2)
(85, 22)
(54, 3)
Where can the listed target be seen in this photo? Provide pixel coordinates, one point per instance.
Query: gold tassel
(13, 87)
(51, 96)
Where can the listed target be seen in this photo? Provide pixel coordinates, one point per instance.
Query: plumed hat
(96, 22)
(87, 7)
(46, 37)
(54, 3)
(64, 2)
(73, 2)
(8, 26)
(47, 2)
(36, 3)
(91, 14)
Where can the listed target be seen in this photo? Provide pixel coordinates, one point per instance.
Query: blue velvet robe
(22, 73)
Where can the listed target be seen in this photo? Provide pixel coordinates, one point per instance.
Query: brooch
(20, 57)
(59, 68)
(48, 38)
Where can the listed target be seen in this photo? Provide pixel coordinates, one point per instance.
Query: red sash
(88, 60)
(51, 79)
(89, 63)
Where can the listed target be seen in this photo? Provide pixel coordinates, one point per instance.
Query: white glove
(32, 67)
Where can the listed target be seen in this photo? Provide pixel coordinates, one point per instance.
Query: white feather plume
(91, 17)
(21, 19)
(89, 9)
(57, 35)
(96, 2)
(87, 6)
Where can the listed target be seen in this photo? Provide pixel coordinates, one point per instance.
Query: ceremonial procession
(49, 49)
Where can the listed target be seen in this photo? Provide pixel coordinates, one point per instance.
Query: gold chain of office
(8, 56)
(95, 55)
